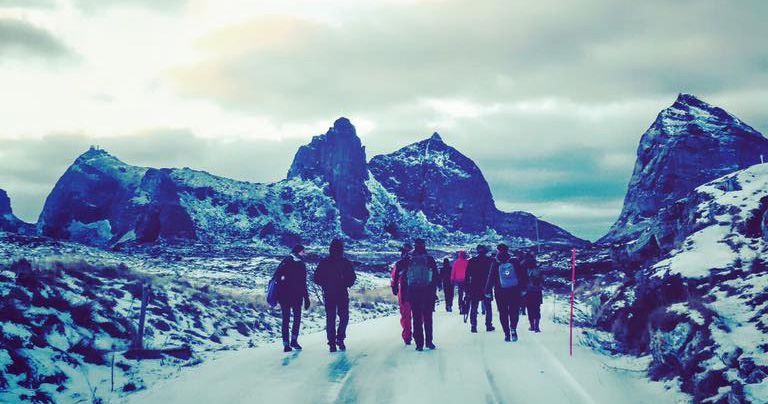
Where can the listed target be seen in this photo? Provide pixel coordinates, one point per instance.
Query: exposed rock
(8, 221)
(434, 178)
(338, 159)
(689, 144)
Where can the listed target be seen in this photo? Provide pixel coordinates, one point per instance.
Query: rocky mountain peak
(690, 143)
(337, 158)
(5, 203)
(436, 137)
(344, 127)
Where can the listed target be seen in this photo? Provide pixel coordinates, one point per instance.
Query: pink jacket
(459, 271)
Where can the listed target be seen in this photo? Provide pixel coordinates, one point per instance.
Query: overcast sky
(550, 98)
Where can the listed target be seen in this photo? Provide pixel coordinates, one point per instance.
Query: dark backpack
(507, 275)
(419, 273)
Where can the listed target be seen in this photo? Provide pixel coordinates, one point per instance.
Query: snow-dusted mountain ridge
(690, 142)
(101, 200)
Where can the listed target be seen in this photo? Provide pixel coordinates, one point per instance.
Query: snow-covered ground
(379, 368)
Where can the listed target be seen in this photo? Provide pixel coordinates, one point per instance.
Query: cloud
(28, 3)
(157, 5)
(22, 38)
(498, 51)
(29, 168)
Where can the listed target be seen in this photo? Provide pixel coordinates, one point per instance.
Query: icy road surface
(379, 368)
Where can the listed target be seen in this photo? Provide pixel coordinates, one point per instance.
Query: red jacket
(459, 272)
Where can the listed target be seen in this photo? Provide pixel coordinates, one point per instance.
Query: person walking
(507, 278)
(335, 276)
(291, 277)
(398, 289)
(458, 278)
(477, 277)
(534, 295)
(448, 288)
(421, 279)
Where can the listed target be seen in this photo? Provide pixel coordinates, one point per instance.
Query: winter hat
(502, 248)
(297, 249)
(337, 247)
(481, 249)
(406, 248)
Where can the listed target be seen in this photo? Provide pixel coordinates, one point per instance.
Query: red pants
(405, 317)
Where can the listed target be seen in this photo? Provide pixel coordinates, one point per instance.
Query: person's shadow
(290, 357)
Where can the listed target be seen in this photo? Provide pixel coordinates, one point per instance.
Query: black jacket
(445, 274)
(493, 276)
(291, 277)
(477, 276)
(335, 275)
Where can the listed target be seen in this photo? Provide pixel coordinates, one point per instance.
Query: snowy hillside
(66, 308)
(700, 308)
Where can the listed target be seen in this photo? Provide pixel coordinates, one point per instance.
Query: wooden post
(139, 343)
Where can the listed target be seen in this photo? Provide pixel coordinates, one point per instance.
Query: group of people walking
(514, 281)
(334, 274)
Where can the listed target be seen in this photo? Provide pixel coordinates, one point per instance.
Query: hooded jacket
(335, 273)
(459, 271)
(477, 275)
(291, 277)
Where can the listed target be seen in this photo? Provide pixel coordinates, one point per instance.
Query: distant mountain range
(425, 189)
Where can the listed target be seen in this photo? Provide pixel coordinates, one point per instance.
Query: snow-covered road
(379, 368)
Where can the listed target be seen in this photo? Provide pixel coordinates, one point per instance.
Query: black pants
(534, 311)
(422, 305)
(448, 291)
(508, 302)
(473, 312)
(462, 292)
(333, 306)
(286, 308)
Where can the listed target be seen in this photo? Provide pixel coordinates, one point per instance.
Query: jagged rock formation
(425, 190)
(449, 188)
(688, 144)
(338, 159)
(8, 221)
(102, 201)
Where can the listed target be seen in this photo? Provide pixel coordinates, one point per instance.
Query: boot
(332, 347)
(295, 343)
(533, 324)
(514, 336)
(286, 347)
(408, 342)
(536, 325)
(474, 329)
(506, 337)
(340, 344)
(490, 328)
(431, 345)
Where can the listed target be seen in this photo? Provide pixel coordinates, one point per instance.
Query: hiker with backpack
(335, 275)
(421, 278)
(291, 287)
(534, 295)
(477, 277)
(398, 289)
(458, 278)
(445, 278)
(507, 278)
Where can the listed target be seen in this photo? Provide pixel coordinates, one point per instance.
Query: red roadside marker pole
(573, 283)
